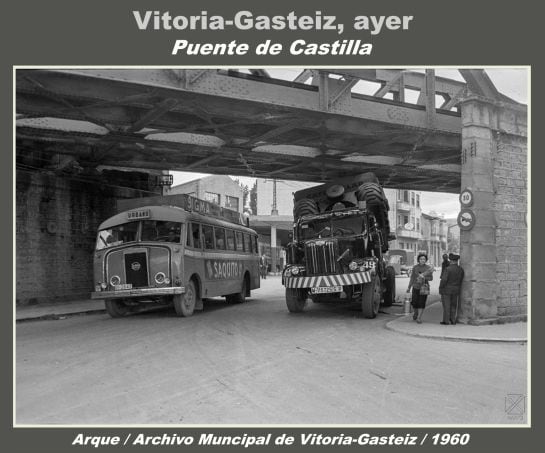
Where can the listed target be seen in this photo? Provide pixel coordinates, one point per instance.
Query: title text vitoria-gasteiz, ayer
(246, 20)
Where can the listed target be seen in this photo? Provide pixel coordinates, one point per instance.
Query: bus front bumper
(137, 292)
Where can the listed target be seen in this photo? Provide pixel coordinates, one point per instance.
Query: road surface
(256, 363)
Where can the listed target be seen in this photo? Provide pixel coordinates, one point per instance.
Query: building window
(418, 225)
(401, 245)
(406, 196)
(231, 203)
(399, 194)
(412, 198)
(405, 220)
(212, 197)
(417, 200)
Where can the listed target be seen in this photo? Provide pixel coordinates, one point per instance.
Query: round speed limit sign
(466, 198)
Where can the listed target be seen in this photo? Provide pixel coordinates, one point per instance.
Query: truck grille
(321, 257)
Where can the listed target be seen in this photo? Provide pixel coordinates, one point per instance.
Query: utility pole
(274, 206)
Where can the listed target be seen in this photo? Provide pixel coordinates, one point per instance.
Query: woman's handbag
(424, 289)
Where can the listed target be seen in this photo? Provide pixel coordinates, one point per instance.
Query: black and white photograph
(271, 246)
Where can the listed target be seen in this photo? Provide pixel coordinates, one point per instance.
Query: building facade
(415, 230)
(218, 189)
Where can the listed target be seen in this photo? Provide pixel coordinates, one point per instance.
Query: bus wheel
(296, 299)
(238, 298)
(370, 298)
(184, 304)
(116, 308)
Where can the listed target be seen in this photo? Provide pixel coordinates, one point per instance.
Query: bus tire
(239, 298)
(296, 299)
(306, 206)
(184, 304)
(370, 298)
(116, 308)
(389, 286)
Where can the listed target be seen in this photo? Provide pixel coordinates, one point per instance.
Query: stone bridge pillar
(494, 251)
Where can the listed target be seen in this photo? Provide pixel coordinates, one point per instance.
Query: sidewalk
(430, 328)
(59, 310)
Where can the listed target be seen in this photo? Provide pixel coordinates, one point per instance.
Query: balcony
(404, 206)
(404, 233)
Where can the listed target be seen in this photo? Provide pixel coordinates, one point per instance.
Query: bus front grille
(136, 269)
(321, 257)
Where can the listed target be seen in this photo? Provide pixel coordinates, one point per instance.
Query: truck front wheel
(370, 298)
(296, 299)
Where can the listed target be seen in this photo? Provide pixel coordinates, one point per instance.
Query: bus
(174, 250)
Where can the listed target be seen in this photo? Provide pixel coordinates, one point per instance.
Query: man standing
(444, 264)
(450, 288)
(263, 266)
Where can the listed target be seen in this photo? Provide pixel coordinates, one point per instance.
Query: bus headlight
(353, 265)
(115, 280)
(160, 278)
(294, 270)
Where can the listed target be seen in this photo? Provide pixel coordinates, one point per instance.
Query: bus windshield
(152, 230)
(162, 231)
(117, 235)
(332, 226)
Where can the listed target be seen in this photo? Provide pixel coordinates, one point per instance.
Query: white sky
(512, 82)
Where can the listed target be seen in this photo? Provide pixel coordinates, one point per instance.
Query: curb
(451, 338)
(58, 316)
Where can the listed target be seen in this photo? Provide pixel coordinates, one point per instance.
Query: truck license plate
(123, 286)
(326, 289)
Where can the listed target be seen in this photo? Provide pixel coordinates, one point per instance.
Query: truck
(340, 236)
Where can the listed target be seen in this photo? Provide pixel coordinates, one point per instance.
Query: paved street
(257, 363)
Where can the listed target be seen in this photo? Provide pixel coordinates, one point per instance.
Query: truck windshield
(117, 235)
(332, 226)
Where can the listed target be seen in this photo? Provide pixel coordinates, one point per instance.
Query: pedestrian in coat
(450, 289)
(444, 264)
(421, 274)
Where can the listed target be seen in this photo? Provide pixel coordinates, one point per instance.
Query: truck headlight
(103, 285)
(294, 270)
(115, 280)
(160, 278)
(353, 265)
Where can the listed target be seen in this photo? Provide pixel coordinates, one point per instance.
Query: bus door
(194, 256)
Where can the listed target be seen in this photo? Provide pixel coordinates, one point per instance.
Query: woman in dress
(422, 273)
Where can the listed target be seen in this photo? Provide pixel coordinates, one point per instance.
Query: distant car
(401, 260)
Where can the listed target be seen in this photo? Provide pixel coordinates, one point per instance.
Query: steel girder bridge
(313, 128)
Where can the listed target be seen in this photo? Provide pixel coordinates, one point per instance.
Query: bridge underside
(226, 122)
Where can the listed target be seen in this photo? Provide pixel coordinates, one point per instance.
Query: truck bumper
(353, 278)
(143, 292)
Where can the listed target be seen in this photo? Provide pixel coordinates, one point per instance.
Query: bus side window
(240, 244)
(247, 243)
(188, 241)
(255, 245)
(195, 232)
(208, 233)
(220, 238)
(230, 237)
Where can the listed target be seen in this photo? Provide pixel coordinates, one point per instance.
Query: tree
(253, 198)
